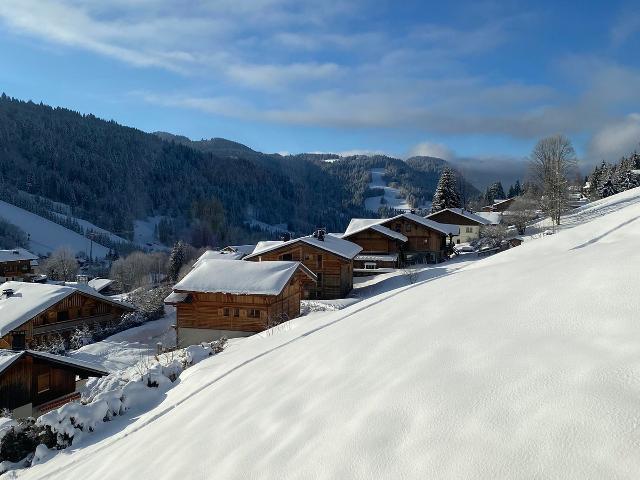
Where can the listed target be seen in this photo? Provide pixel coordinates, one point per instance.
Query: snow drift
(523, 365)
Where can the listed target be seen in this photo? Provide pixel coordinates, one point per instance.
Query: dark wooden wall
(16, 269)
(446, 216)
(372, 241)
(421, 238)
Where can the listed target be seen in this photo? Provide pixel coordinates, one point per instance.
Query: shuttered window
(44, 382)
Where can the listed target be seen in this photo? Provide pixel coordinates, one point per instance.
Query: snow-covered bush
(54, 344)
(80, 337)
(149, 301)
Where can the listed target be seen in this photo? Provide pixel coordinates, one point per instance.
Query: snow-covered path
(522, 365)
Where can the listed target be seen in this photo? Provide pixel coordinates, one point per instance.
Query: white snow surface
(331, 243)
(46, 236)
(99, 284)
(217, 255)
(16, 254)
(359, 224)
(476, 217)
(392, 196)
(240, 278)
(537, 378)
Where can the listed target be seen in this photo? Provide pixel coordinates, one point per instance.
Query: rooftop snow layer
(331, 243)
(8, 357)
(359, 224)
(99, 284)
(29, 299)
(467, 214)
(217, 255)
(16, 254)
(240, 278)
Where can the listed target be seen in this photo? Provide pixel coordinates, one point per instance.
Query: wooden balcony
(67, 325)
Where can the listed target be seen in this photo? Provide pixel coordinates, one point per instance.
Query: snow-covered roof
(331, 243)
(99, 284)
(244, 249)
(357, 225)
(377, 258)
(240, 278)
(464, 213)
(175, 297)
(30, 299)
(16, 254)
(8, 357)
(440, 227)
(218, 255)
(492, 218)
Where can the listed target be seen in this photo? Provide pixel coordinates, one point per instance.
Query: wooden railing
(57, 403)
(71, 324)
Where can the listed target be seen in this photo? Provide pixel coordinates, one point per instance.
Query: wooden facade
(20, 270)
(62, 318)
(424, 244)
(453, 218)
(40, 381)
(334, 272)
(373, 241)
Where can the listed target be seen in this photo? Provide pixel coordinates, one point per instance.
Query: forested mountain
(205, 191)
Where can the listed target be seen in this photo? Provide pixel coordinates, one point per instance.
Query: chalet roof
(389, 257)
(218, 255)
(240, 278)
(99, 284)
(244, 249)
(16, 254)
(493, 218)
(9, 357)
(30, 299)
(357, 225)
(440, 227)
(175, 297)
(464, 213)
(331, 243)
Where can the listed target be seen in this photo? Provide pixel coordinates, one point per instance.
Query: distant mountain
(217, 146)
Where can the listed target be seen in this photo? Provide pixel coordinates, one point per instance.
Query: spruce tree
(176, 260)
(607, 189)
(446, 195)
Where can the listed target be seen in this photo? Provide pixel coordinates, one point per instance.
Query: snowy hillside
(46, 236)
(521, 365)
(392, 196)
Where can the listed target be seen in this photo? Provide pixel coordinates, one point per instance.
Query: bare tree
(553, 162)
(61, 265)
(521, 212)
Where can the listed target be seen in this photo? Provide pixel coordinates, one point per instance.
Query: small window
(319, 261)
(62, 316)
(44, 382)
(319, 275)
(370, 265)
(307, 257)
(398, 227)
(254, 313)
(286, 256)
(407, 227)
(469, 230)
(226, 312)
(236, 312)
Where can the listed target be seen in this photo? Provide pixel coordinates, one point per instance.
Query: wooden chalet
(33, 383)
(381, 246)
(499, 205)
(236, 299)
(17, 264)
(31, 313)
(329, 257)
(426, 239)
(468, 222)
(104, 286)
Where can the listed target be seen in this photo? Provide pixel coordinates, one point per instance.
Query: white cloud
(430, 149)
(615, 140)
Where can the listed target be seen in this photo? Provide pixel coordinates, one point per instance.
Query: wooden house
(31, 313)
(104, 286)
(329, 257)
(381, 246)
(235, 299)
(426, 239)
(468, 222)
(33, 383)
(17, 264)
(499, 205)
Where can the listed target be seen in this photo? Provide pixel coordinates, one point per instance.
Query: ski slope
(392, 196)
(523, 365)
(46, 236)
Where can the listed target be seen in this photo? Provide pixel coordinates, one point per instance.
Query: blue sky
(474, 81)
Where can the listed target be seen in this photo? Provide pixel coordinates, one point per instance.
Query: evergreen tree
(517, 189)
(176, 260)
(446, 195)
(607, 189)
(494, 192)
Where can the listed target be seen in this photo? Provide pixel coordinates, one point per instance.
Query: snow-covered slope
(522, 365)
(46, 236)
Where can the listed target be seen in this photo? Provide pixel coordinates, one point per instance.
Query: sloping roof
(16, 254)
(99, 284)
(440, 227)
(464, 213)
(240, 278)
(30, 299)
(493, 218)
(9, 357)
(391, 257)
(244, 249)
(218, 255)
(331, 243)
(175, 297)
(357, 225)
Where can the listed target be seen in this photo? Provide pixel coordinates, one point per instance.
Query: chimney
(319, 234)
(285, 237)
(82, 279)
(8, 292)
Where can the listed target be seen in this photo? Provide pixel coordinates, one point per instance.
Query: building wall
(19, 270)
(335, 273)
(374, 242)
(64, 317)
(428, 243)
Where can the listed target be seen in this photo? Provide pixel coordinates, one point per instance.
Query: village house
(237, 252)
(381, 246)
(236, 299)
(32, 313)
(468, 222)
(329, 257)
(33, 383)
(499, 205)
(17, 264)
(104, 286)
(426, 239)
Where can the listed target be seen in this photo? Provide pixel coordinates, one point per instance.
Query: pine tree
(176, 260)
(446, 195)
(517, 189)
(607, 189)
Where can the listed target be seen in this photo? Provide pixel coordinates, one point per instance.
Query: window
(469, 230)
(319, 275)
(319, 261)
(407, 227)
(62, 315)
(18, 340)
(236, 312)
(226, 312)
(398, 227)
(44, 382)
(457, 240)
(370, 265)
(254, 313)
(307, 257)
(286, 256)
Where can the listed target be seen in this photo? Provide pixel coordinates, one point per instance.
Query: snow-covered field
(392, 196)
(521, 365)
(46, 236)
